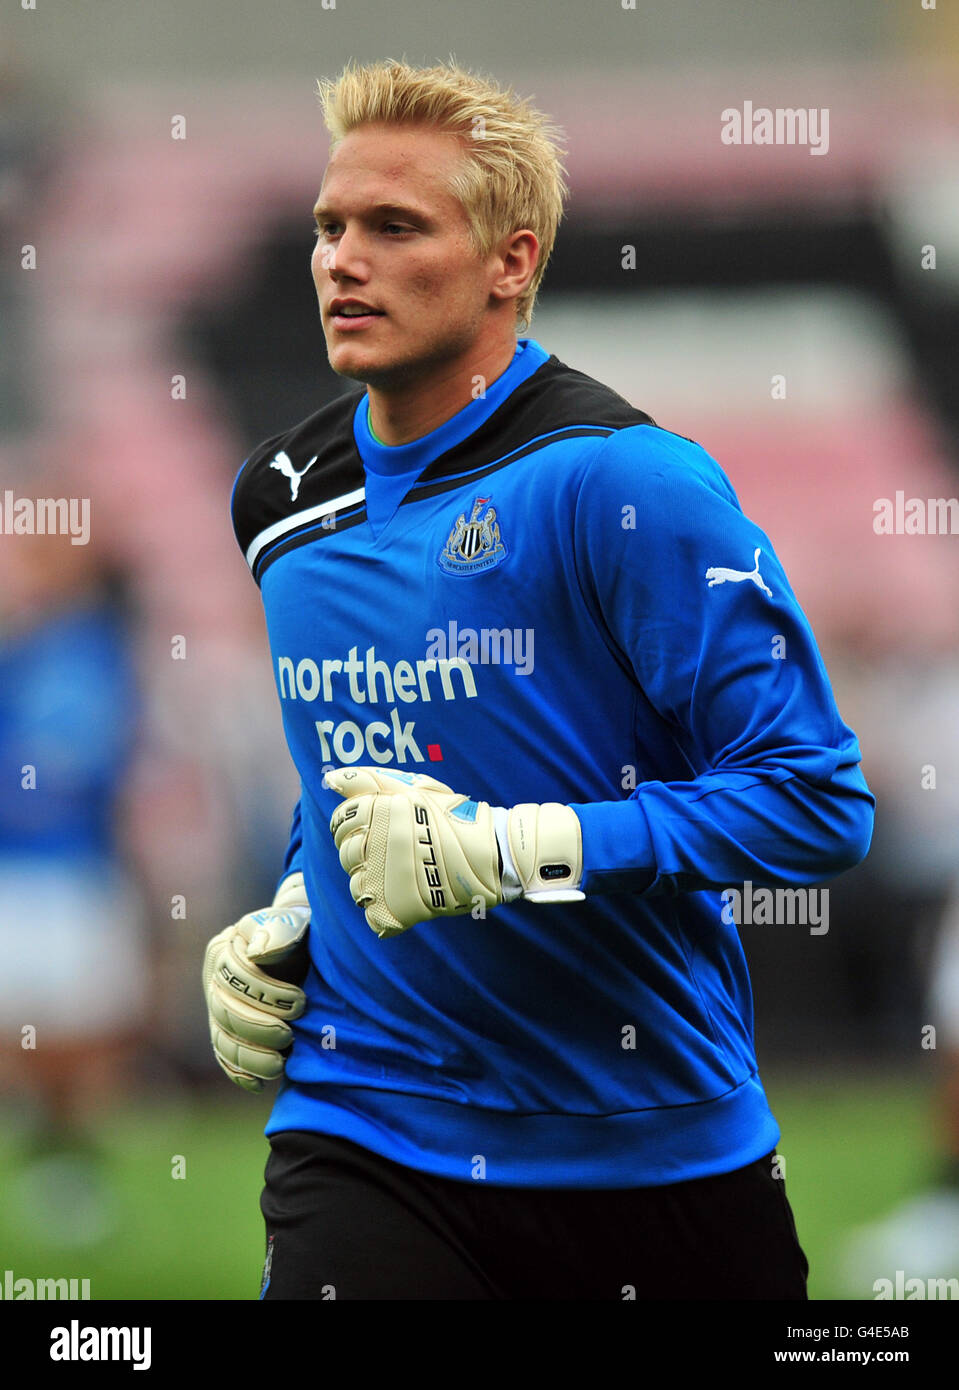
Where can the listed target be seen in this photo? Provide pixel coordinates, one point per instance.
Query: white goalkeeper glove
(248, 975)
(415, 849)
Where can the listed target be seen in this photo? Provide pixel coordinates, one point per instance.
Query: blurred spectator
(920, 1236)
(72, 942)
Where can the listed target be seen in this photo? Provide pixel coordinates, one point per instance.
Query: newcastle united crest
(473, 545)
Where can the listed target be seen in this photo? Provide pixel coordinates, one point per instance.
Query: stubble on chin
(391, 376)
(399, 374)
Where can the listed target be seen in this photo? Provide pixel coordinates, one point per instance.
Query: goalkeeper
(549, 693)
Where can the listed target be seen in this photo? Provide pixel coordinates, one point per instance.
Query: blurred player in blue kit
(541, 676)
(72, 922)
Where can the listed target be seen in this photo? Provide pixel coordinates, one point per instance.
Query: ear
(517, 257)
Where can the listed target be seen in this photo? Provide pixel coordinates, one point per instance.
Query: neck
(398, 416)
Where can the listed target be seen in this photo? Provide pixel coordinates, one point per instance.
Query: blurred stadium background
(170, 324)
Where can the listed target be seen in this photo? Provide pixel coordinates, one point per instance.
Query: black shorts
(342, 1222)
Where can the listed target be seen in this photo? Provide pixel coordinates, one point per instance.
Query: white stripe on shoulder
(290, 523)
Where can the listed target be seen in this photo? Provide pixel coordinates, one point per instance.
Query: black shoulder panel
(312, 463)
(554, 398)
(291, 477)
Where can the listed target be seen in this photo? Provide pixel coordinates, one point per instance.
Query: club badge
(473, 545)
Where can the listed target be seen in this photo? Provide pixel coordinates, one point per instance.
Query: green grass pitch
(854, 1146)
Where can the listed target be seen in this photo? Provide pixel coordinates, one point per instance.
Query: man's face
(394, 239)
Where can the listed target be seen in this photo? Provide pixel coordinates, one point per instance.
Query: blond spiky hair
(511, 175)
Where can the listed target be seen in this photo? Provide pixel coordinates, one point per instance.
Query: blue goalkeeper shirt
(549, 598)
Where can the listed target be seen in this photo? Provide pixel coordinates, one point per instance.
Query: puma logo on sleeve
(284, 464)
(717, 574)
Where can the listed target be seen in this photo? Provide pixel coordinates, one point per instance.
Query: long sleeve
(768, 785)
(293, 859)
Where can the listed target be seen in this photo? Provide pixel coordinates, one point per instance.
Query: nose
(347, 259)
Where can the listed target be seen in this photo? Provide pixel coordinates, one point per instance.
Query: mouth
(348, 316)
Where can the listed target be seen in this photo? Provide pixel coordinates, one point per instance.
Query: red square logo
(435, 752)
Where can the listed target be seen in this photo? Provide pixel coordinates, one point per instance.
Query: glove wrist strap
(511, 885)
(291, 892)
(546, 851)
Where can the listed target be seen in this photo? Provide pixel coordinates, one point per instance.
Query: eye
(325, 229)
